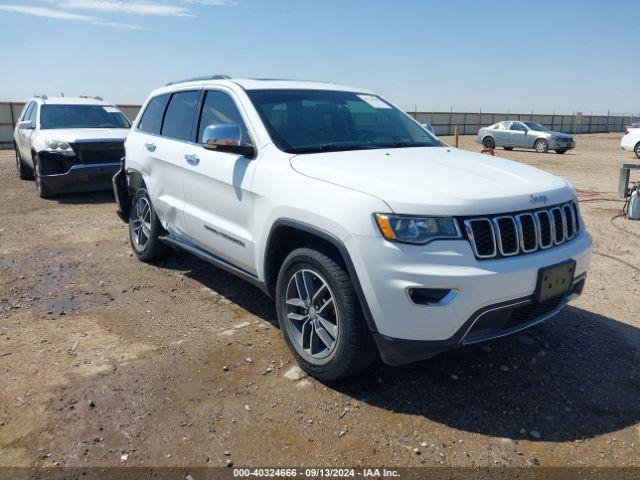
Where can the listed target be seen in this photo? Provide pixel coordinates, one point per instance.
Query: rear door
(165, 127)
(218, 188)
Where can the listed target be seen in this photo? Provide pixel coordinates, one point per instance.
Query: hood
(71, 135)
(559, 134)
(437, 180)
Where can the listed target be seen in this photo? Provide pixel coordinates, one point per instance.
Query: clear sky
(494, 55)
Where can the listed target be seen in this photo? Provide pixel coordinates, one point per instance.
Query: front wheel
(145, 228)
(637, 150)
(43, 190)
(320, 316)
(489, 142)
(541, 145)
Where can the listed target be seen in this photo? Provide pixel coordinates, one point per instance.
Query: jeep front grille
(496, 236)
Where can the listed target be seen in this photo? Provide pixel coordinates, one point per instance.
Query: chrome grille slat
(479, 249)
(527, 229)
(506, 245)
(535, 230)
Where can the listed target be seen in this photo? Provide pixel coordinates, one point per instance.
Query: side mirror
(226, 137)
(26, 125)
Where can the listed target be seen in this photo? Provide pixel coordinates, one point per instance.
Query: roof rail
(95, 98)
(43, 97)
(196, 79)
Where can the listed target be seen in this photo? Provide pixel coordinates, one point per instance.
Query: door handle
(192, 159)
(150, 146)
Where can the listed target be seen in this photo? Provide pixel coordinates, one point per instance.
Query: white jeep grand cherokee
(69, 144)
(371, 234)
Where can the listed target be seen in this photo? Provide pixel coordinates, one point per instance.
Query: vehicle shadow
(81, 198)
(575, 376)
(238, 291)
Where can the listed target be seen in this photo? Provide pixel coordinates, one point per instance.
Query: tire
(637, 150)
(43, 190)
(541, 145)
(508, 148)
(561, 151)
(488, 142)
(335, 328)
(145, 229)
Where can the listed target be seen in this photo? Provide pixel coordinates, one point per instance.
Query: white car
(631, 141)
(372, 236)
(69, 144)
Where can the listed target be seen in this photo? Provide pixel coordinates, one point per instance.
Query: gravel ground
(106, 361)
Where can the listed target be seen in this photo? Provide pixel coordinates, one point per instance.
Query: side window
(518, 127)
(181, 112)
(151, 120)
(33, 114)
(219, 107)
(27, 112)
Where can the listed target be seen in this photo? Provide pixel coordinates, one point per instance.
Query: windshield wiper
(329, 147)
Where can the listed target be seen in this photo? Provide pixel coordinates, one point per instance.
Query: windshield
(310, 121)
(536, 126)
(81, 116)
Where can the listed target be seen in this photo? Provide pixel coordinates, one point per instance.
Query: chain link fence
(444, 123)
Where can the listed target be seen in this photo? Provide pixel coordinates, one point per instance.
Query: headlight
(60, 146)
(417, 230)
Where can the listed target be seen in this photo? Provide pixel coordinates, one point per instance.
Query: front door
(218, 188)
(518, 135)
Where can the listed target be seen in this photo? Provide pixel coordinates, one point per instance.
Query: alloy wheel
(312, 314)
(541, 146)
(141, 224)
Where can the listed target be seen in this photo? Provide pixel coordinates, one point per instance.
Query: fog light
(431, 296)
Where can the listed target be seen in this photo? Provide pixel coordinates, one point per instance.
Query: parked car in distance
(69, 144)
(373, 237)
(515, 134)
(631, 141)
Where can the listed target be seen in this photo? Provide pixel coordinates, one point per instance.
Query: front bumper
(488, 323)
(82, 178)
(558, 145)
(387, 271)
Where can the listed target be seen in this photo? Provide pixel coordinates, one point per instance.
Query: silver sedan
(515, 134)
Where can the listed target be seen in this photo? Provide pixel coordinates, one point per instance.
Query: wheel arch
(287, 234)
(135, 180)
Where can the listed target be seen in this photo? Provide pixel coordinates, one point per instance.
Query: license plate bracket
(554, 281)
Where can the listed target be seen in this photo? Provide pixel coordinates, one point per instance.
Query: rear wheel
(637, 150)
(541, 145)
(145, 228)
(488, 142)
(43, 190)
(320, 316)
(561, 151)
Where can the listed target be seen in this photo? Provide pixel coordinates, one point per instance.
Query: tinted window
(307, 121)
(81, 116)
(517, 126)
(219, 108)
(151, 120)
(27, 112)
(181, 112)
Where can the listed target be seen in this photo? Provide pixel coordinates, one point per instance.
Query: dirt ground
(107, 361)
